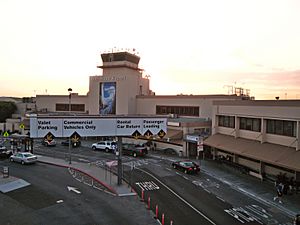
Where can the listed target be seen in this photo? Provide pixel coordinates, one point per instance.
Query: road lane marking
(73, 189)
(147, 185)
(178, 196)
(220, 198)
(83, 160)
(207, 191)
(185, 177)
(257, 214)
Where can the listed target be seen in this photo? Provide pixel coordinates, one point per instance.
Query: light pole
(70, 95)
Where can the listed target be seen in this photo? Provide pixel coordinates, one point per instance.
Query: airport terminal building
(123, 90)
(262, 136)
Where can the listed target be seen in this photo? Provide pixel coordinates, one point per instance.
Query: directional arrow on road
(73, 189)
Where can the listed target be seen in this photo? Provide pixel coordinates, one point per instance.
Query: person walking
(297, 220)
(279, 190)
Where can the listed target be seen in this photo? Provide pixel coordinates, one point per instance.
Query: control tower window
(141, 90)
(111, 57)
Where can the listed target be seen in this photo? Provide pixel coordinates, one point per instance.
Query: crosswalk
(251, 213)
(128, 162)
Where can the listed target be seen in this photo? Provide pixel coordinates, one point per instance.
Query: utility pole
(119, 152)
(70, 96)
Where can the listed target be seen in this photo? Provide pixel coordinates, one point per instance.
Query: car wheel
(106, 150)
(185, 171)
(94, 148)
(11, 159)
(134, 154)
(22, 162)
(174, 166)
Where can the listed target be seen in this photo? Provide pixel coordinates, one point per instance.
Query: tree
(6, 110)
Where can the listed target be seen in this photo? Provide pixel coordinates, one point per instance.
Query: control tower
(122, 78)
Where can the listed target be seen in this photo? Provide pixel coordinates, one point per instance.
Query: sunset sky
(188, 47)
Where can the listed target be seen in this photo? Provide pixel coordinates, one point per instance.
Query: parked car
(186, 166)
(23, 158)
(49, 143)
(73, 144)
(4, 153)
(107, 146)
(134, 150)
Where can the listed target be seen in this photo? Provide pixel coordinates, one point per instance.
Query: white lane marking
(83, 160)
(147, 185)
(220, 198)
(178, 196)
(234, 215)
(206, 190)
(73, 189)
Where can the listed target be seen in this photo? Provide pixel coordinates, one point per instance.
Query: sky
(187, 47)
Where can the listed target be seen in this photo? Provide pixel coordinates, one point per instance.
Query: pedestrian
(292, 185)
(279, 190)
(297, 220)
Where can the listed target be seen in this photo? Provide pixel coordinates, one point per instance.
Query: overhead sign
(136, 134)
(161, 133)
(5, 134)
(97, 126)
(49, 137)
(75, 137)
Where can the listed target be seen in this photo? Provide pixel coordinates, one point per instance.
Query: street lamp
(70, 95)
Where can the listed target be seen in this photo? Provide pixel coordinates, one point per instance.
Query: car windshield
(26, 155)
(188, 163)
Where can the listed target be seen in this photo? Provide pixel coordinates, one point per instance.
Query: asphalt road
(48, 201)
(207, 199)
(181, 201)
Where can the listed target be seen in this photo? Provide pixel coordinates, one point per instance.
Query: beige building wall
(48, 103)
(147, 104)
(129, 84)
(263, 109)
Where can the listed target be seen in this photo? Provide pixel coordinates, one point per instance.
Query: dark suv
(134, 150)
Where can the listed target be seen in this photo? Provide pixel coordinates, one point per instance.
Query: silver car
(23, 158)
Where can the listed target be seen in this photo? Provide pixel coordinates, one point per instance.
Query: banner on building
(107, 98)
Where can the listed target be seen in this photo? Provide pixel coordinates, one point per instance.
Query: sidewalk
(263, 191)
(108, 180)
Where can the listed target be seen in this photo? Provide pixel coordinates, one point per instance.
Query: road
(184, 199)
(48, 201)
(209, 195)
